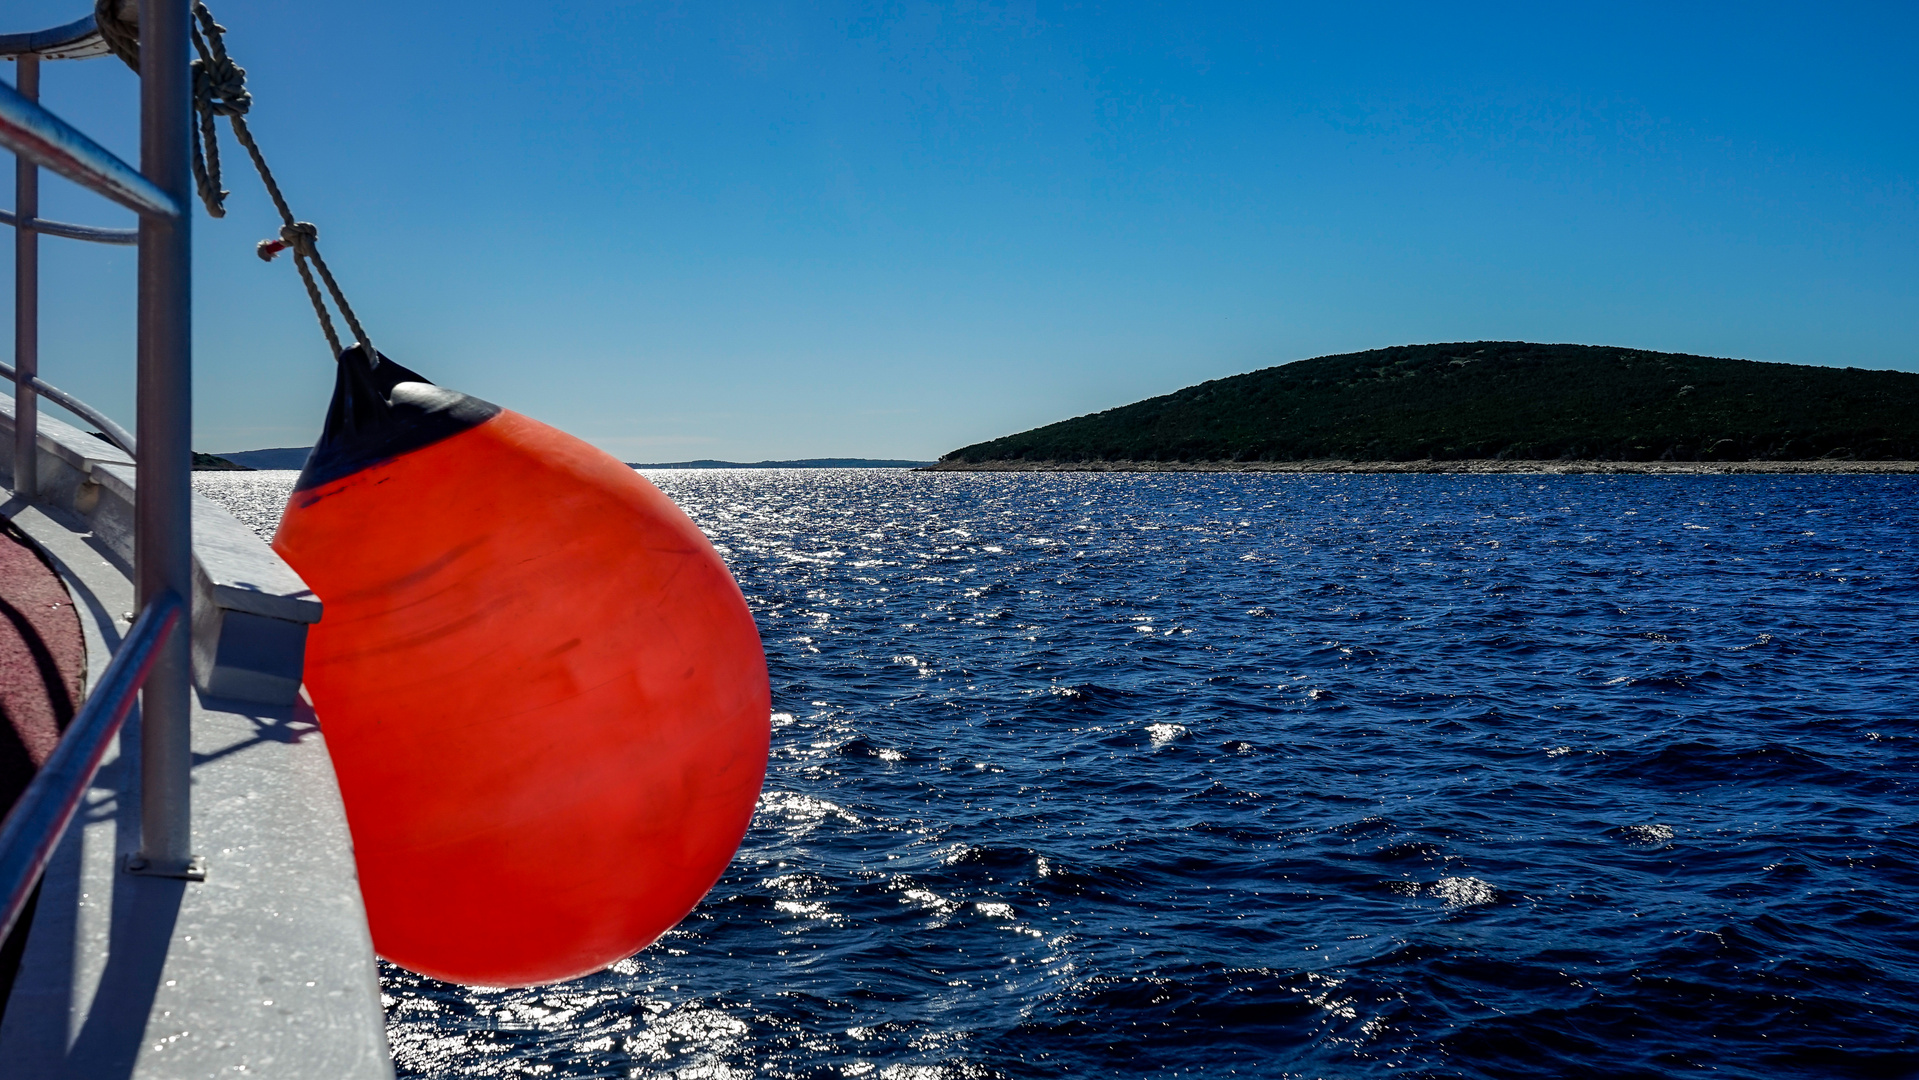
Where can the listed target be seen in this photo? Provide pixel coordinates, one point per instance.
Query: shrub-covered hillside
(1498, 399)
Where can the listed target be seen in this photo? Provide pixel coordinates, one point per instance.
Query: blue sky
(769, 230)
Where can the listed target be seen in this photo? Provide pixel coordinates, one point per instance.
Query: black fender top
(379, 413)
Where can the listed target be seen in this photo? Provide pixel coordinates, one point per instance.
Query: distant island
(801, 463)
(295, 457)
(279, 457)
(216, 463)
(1490, 406)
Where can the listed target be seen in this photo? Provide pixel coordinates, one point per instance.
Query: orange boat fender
(544, 696)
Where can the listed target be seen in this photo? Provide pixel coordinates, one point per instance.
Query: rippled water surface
(1315, 776)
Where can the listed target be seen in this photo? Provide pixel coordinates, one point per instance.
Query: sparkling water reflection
(1284, 776)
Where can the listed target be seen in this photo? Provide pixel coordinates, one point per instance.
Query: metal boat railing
(115, 434)
(94, 233)
(37, 821)
(153, 660)
(44, 139)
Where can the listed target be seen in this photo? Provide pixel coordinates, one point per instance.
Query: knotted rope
(119, 24)
(220, 89)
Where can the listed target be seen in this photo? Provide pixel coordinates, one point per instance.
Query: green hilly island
(1498, 400)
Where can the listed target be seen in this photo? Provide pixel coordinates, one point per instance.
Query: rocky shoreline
(1475, 465)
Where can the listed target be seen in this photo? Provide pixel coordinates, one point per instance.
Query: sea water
(1284, 776)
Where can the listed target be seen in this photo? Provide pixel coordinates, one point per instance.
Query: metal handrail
(115, 434)
(94, 233)
(48, 141)
(39, 819)
(76, 40)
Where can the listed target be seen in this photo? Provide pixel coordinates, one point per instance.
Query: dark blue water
(1322, 776)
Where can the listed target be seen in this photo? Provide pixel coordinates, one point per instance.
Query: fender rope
(220, 89)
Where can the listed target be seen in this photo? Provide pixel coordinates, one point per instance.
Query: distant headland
(279, 457)
(1493, 406)
(295, 457)
(801, 463)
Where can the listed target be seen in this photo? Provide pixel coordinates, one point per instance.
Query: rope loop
(220, 89)
(119, 23)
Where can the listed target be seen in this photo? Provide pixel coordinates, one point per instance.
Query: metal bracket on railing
(194, 870)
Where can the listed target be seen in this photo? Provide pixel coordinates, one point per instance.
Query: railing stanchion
(33, 828)
(163, 541)
(26, 300)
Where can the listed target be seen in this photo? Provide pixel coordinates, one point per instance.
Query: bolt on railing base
(194, 869)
